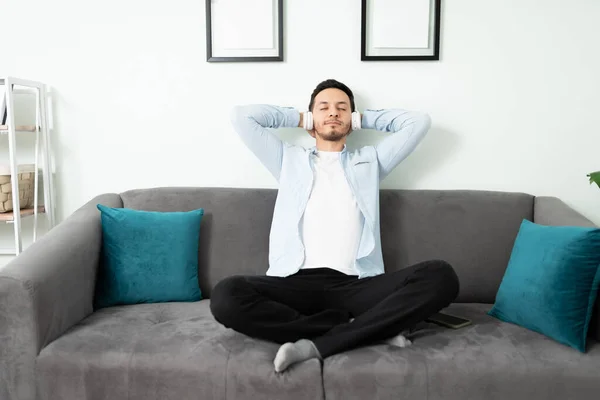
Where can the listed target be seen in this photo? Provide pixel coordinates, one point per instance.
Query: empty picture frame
(244, 30)
(400, 30)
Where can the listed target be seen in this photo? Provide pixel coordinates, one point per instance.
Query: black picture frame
(434, 48)
(210, 57)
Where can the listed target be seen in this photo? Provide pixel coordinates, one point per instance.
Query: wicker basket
(26, 187)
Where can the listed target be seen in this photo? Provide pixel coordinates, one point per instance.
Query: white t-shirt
(330, 226)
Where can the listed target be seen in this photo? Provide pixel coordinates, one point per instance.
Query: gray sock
(291, 353)
(398, 341)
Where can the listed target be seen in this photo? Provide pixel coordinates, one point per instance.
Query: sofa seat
(488, 360)
(178, 351)
(166, 351)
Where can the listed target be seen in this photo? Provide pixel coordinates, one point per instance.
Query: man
(325, 290)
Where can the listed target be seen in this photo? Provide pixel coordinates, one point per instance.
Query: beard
(333, 133)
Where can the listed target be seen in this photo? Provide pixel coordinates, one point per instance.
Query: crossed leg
(310, 312)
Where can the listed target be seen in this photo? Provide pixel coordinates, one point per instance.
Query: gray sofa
(53, 345)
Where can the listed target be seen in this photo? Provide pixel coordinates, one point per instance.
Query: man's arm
(252, 123)
(408, 129)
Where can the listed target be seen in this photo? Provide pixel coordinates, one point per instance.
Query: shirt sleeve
(253, 123)
(407, 129)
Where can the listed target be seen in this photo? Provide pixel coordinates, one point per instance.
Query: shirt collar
(313, 149)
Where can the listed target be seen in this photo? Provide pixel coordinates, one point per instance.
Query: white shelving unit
(42, 148)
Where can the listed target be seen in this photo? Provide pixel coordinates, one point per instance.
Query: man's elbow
(423, 123)
(418, 121)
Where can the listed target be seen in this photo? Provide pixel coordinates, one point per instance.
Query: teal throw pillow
(551, 282)
(148, 257)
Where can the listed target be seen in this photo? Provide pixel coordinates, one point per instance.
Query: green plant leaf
(595, 178)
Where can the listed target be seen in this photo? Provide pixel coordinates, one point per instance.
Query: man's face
(332, 115)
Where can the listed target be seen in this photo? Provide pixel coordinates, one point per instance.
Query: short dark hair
(331, 83)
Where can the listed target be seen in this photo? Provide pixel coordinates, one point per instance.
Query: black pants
(317, 304)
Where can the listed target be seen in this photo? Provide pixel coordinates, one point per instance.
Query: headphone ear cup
(309, 121)
(356, 123)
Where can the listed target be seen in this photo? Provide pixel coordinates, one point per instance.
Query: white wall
(514, 99)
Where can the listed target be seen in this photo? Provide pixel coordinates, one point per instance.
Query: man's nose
(334, 113)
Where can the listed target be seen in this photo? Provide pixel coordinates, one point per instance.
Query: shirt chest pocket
(362, 163)
(364, 171)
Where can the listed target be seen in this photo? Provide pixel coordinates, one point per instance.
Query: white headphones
(308, 121)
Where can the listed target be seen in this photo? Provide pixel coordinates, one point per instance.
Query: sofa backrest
(472, 230)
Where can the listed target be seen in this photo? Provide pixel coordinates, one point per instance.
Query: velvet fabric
(551, 282)
(148, 256)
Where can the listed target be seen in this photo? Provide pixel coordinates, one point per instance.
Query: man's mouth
(332, 123)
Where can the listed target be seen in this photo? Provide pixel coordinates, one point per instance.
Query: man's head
(331, 104)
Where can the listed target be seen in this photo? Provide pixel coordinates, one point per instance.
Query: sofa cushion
(166, 351)
(551, 282)
(148, 256)
(490, 359)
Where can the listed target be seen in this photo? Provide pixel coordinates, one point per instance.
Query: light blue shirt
(292, 167)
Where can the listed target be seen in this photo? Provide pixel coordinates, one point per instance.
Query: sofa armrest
(46, 290)
(555, 212)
